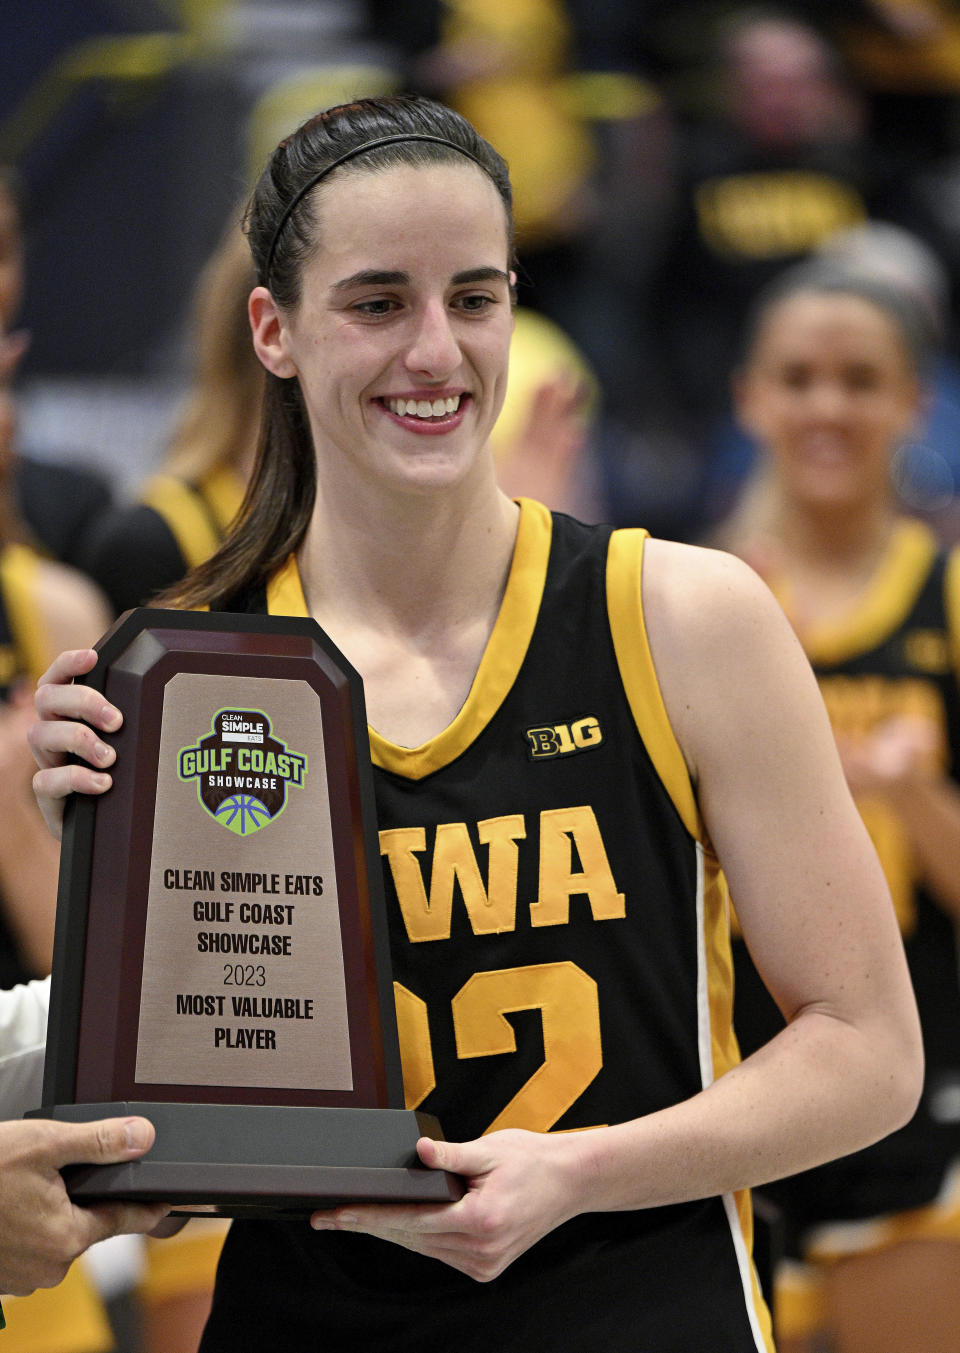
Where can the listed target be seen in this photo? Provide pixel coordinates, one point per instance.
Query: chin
(831, 497)
(434, 475)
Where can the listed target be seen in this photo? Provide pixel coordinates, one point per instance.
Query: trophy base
(264, 1161)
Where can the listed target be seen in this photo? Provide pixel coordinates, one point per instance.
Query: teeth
(424, 408)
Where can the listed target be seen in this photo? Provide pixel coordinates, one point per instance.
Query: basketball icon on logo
(243, 814)
(242, 771)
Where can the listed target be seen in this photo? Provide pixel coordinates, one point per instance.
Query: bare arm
(67, 610)
(29, 857)
(71, 610)
(809, 890)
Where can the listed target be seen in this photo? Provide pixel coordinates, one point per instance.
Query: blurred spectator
(781, 164)
(501, 64)
(906, 56)
(781, 161)
(183, 511)
(123, 128)
(926, 465)
(55, 500)
(831, 384)
(44, 606)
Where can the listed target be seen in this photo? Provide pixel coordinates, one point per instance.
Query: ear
(269, 333)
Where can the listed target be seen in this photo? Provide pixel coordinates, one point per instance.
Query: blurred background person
(56, 499)
(774, 163)
(43, 604)
(832, 382)
(137, 550)
(925, 469)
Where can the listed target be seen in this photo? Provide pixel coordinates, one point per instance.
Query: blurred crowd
(671, 160)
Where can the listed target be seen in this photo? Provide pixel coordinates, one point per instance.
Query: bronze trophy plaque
(221, 961)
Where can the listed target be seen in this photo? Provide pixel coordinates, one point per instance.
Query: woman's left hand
(519, 1186)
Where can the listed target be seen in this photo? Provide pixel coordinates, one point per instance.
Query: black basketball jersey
(897, 656)
(136, 551)
(559, 938)
(22, 652)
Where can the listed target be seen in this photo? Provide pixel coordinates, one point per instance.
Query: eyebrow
(373, 277)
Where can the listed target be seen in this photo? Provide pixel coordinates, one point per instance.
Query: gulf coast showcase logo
(242, 770)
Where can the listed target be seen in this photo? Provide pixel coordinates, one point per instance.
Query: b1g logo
(242, 771)
(563, 739)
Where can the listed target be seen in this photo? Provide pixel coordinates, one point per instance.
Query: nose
(828, 399)
(434, 350)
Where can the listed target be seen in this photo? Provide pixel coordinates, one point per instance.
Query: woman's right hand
(69, 719)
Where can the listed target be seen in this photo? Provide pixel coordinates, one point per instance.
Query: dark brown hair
(280, 496)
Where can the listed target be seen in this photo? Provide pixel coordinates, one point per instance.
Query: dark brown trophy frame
(231, 1150)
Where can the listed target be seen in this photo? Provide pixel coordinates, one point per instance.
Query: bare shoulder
(72, 611)
(695, 591)
(724, 652)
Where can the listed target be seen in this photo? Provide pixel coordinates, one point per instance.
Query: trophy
(221, 961)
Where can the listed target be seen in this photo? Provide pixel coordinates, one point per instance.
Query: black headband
(349, 155)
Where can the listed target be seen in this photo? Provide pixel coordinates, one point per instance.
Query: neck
(411, 564)
(841, 538)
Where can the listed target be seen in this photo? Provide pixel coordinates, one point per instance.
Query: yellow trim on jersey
(725, 1051)
(952, 595)
(285, 591)
(223, 490)
(718, 1053)
(639, 676)
(892, 591)
(187, 510)
(501, 661)
(19, 581)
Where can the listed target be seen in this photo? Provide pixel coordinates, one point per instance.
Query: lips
(437, 415)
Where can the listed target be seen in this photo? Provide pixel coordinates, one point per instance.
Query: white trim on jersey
(705, 1045)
